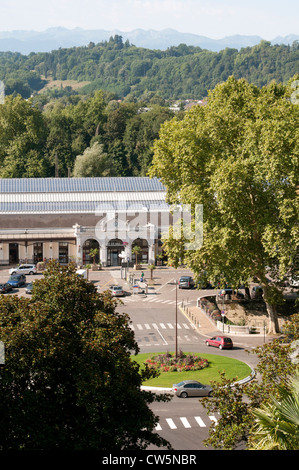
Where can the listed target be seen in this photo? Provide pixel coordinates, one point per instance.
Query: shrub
(168, 362)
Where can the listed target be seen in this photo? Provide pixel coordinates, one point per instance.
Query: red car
(221, 342)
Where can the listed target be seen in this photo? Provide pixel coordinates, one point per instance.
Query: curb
(165, 389)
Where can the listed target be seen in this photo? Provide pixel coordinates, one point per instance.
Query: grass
(233, 369)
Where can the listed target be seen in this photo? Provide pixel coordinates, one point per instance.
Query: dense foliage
(238, 158)
(261, 414)
(94, 136)
(68, 382)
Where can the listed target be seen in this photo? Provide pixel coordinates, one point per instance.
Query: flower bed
(169, 363)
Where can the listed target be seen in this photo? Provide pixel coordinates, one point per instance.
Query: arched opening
(89, 245)
(114, 248)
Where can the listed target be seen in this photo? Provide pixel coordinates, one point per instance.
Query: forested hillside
(108, 125)
(182, 72)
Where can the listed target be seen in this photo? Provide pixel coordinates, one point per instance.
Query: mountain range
(54, 38)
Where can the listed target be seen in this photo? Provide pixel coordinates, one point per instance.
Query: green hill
(181, 72)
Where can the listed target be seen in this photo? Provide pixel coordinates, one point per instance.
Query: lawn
(233, 369)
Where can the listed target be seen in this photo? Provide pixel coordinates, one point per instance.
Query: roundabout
(233, 368)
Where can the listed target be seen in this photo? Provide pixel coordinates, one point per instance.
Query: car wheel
(207, 343)
(13, 273)
(31, 272)
(210, 394)
(184, 395)
(220, 346)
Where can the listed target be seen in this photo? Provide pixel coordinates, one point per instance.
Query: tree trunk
(273, 326)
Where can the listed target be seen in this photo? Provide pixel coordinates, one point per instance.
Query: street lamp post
(176, 319)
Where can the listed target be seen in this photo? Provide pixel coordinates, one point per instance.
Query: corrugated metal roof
(68, 185)
(94, 207)
(80, 195)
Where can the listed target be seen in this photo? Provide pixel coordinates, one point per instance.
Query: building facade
(66, 218)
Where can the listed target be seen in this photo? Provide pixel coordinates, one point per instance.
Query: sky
(212, 18)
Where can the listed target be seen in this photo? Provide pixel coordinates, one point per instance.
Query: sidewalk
(206, 327)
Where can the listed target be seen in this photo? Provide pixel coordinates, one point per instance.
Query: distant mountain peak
(55, 37)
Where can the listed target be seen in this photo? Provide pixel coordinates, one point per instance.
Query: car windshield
(14, 278)
(227, 340)
(184, 279)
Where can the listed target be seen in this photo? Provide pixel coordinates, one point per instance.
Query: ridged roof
(80, 195)
(68, 185)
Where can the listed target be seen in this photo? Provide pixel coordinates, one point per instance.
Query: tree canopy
(238, 157)
(180, 72)
(68, 382)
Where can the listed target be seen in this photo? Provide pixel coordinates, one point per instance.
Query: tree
(277, 422)
(23, 134)
(239, 404)
(238, 157)
(69, 382)
(136, 250)
(93, 162)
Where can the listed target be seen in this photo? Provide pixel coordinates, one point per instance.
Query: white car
(24, 269)
(294, 282)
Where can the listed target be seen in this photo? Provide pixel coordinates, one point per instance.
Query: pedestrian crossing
(151, 300)
(163, 326)
(187, 423)
(155, 334)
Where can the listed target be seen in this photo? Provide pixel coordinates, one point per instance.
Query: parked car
(186, 282)
(28, 288)
(191, 388)
(221, 342)
(117, 291)
(24, 269)
(229, 291)
(4, 288)
(17, 280)
(257, 292)
(294, 282)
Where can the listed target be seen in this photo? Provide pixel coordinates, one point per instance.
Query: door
(114, 258)
(13, 253)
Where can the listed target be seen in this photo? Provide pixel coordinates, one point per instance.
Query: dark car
(221, 342)
(191, 388)
(186, 282)
(17, 280)
(4, 288)
(230, 292)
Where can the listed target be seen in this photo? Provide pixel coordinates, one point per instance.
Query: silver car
(117, 291)
(24, 269)
(191, 388)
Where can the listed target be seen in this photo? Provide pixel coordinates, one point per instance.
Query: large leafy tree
(238, 157)
(22, 135)
(68, 381)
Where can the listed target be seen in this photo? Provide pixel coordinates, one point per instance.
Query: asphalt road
(183, 422)
(159, 325)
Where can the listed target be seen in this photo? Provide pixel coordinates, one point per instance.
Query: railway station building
(66, 218)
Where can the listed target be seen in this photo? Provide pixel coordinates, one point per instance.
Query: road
(183, 422)
(160, 325)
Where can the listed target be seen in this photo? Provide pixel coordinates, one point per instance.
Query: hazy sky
(212, 18)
